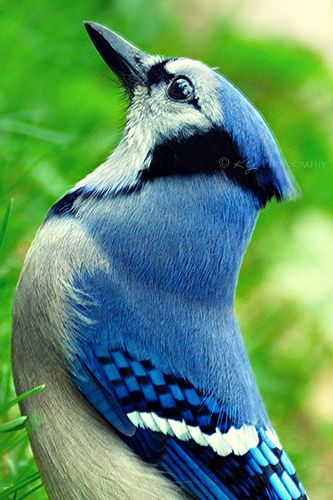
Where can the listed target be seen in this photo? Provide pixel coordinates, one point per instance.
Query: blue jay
(125, 306)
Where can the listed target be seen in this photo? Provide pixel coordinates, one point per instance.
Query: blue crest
(259, 148)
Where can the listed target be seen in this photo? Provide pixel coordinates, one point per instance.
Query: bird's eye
(180, 89)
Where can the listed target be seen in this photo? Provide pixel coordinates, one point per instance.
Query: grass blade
(28, 493)
(19, 398)
(33, 131)
(13, 425)
(19, 485)
(5, 222)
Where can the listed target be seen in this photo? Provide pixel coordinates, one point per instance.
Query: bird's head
(195, 165)
(185, 118)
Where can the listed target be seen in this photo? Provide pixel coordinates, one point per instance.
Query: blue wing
(190, 435)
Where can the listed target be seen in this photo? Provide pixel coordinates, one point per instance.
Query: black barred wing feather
(169, 422)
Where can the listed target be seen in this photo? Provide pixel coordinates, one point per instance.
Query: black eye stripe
(195, 103)
(158, 74)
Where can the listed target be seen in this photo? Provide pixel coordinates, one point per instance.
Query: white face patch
(154, 118)
(205, 82)
(237, 441)
(166, 118)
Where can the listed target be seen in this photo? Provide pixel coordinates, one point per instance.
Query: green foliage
(19, 477)
(60, 116)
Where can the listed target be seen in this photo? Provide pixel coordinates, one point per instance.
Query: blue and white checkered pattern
(168, 421)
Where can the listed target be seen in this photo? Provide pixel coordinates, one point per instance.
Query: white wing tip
(237, 441)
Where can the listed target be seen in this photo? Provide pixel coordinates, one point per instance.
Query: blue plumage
(161, 229)
(180, 320)
(255, 141)
(263, 471)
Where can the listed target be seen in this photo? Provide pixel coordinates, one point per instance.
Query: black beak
(122, 57)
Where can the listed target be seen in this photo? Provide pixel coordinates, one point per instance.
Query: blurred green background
(61, 114)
